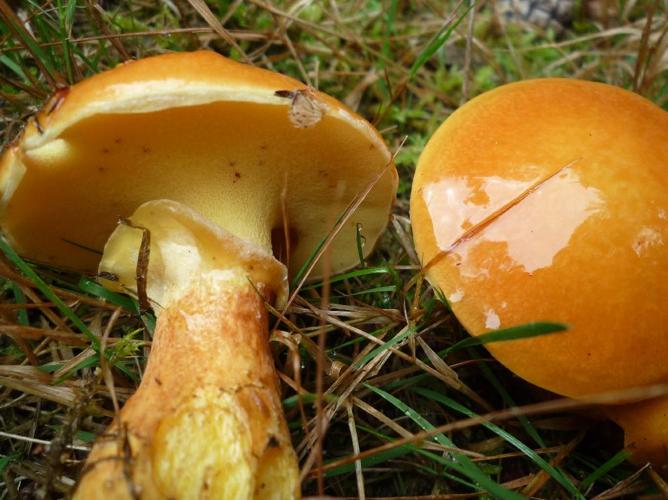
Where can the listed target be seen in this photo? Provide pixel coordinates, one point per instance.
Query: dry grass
(374, 410)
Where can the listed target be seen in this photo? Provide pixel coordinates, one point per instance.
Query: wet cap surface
(547, 200)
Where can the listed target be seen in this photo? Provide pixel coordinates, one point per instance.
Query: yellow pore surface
(201, 130)
(547, 200)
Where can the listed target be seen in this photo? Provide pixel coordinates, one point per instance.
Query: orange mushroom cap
(547, 200)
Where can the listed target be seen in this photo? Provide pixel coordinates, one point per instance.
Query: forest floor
(379, 382)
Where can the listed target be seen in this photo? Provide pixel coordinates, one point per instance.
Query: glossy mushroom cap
(247, 148)
(547, 200)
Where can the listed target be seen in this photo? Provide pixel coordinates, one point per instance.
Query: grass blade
(378, 289)
(607, 466)
(436, 42)
(352, 274)
(459, 462)
(508, 400)
(371, 461)
(97, 290)
(525, 331)
(404, 450)
(360, 239)
(42, 59)
(16, 68)
(556, 474)
(46, 290)
(19, 298)
(390, 343)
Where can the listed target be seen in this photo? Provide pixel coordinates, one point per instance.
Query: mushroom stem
(206, 420)
(645, 425)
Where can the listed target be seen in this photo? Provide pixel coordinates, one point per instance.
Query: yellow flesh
(205, 450)
(228, 160)
(210, 432)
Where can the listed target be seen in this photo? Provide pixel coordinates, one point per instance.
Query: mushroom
(212, 165)
(548, 200)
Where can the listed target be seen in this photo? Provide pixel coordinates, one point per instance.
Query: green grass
(404, 364)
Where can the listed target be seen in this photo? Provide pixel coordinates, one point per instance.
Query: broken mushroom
(547, 200)
(220, 171)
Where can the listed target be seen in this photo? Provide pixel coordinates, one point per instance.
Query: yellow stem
(645, 425)
(206, 421)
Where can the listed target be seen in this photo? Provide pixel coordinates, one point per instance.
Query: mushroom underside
(243, 165)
